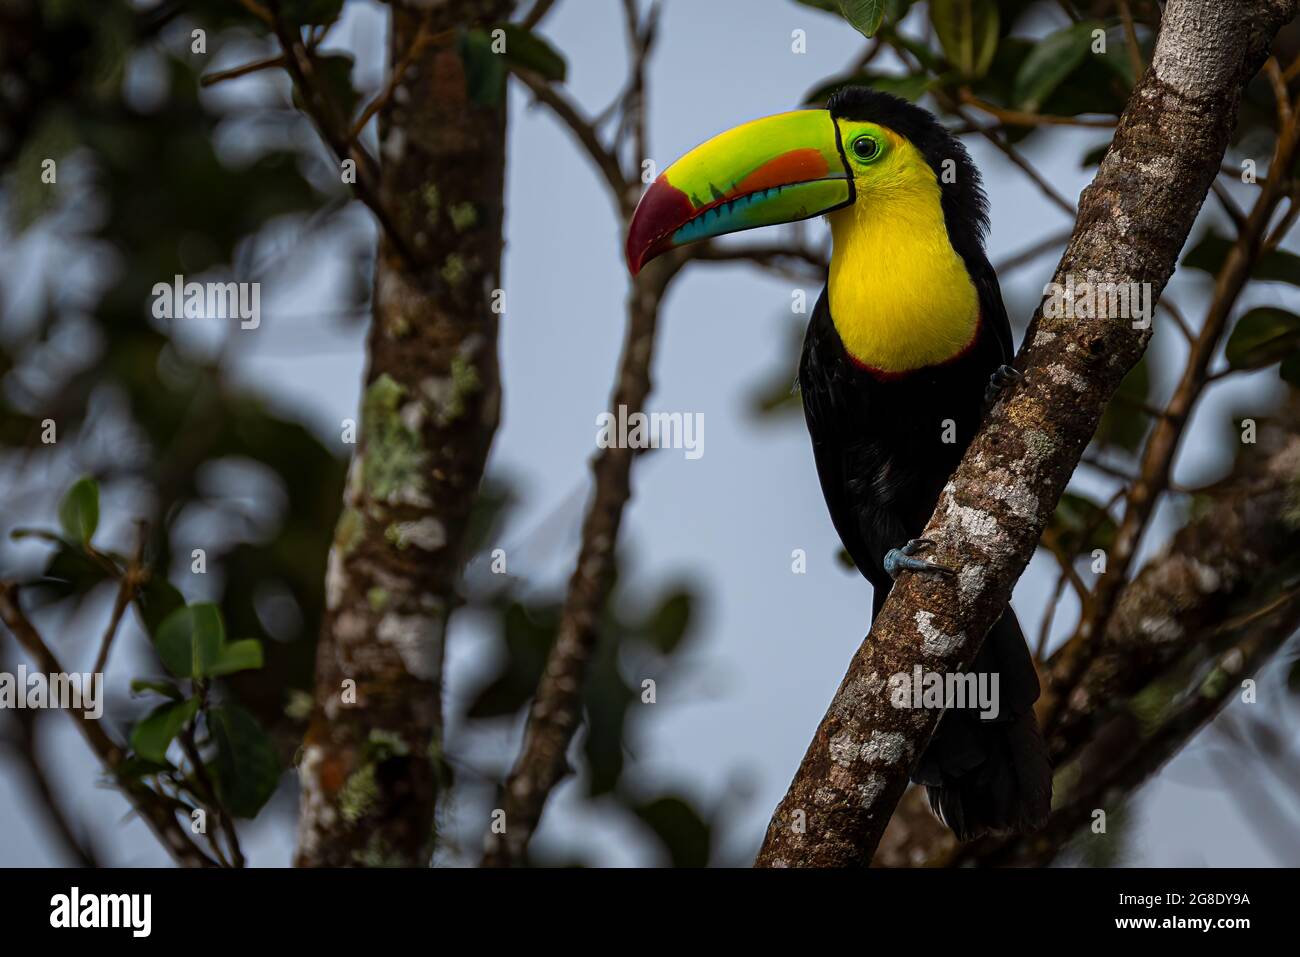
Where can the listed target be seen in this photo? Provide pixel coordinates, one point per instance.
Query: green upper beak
(775, 170)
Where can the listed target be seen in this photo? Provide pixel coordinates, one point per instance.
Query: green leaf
(157, 599)
(141, 686)
(863, 15)
(686, 836)
(79, 511)
(858, 12)
(190, 640)
(71, 571)
(1289, 370)
(1078, 526)
(910, 88)
(247, 770)
(134, 766)
(968, 33)
(895, 10)
(237, 656)
(525, 48)
(151, 737)
(1209, 254)
(485, 71)
(1261, 337)
(304, 12)
(1123, 425)
(334, 73)
(527, 636)
(670, 621)
(1053, 59)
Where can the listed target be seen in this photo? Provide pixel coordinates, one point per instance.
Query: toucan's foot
(899, 560)
(1002, 378)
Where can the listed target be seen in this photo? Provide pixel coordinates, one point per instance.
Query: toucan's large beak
(775, 170)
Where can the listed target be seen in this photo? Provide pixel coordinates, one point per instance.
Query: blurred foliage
(221, 742)
(641, 646)
(160, 198)
(1078, 526)
(111, 94)
(144, 192)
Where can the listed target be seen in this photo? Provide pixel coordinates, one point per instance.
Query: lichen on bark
(369, 767)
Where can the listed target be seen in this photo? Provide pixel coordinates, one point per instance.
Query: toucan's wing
(835, 422)
(993, 311)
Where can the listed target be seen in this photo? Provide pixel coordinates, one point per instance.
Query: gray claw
(1003, 376)
(899, 560)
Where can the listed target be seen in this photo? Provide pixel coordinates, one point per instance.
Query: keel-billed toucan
(904, 342)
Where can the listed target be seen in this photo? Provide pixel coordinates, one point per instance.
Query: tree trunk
(371, 762)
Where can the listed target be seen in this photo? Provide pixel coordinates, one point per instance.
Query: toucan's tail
(985, 775)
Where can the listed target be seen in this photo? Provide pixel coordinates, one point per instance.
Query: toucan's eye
(866, 148)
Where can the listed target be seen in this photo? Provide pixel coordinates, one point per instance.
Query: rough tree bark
(371, 764)
(1215, 569)
(1133, 220)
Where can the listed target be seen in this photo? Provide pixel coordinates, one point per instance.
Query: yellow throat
(900, 296)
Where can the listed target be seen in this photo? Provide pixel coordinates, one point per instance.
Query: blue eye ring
(866, 148)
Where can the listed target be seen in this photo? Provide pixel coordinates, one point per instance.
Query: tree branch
(334, 131)
(1120, 761)
(623, 189)
(1216, 564)
(25, 749)
(557, 705)
(1162, 446)
(372, 762)
(155, 812)
(1133, 221)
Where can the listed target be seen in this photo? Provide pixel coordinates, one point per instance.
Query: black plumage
(882, 464)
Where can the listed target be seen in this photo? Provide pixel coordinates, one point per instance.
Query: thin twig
(210, 79)
(257, 10)
(25, 749)
(539, 10)
(556, 709)
(583, 131)
(423, 40)
(1049, 615)
(1274, 73)
(133, 576)
(1130, 32)
(1229, 205)
(1027, 255)
(1176, 314)
(1009, 117)
(210, 796)
(1012, 154)
(321, 111)
(767, 256)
